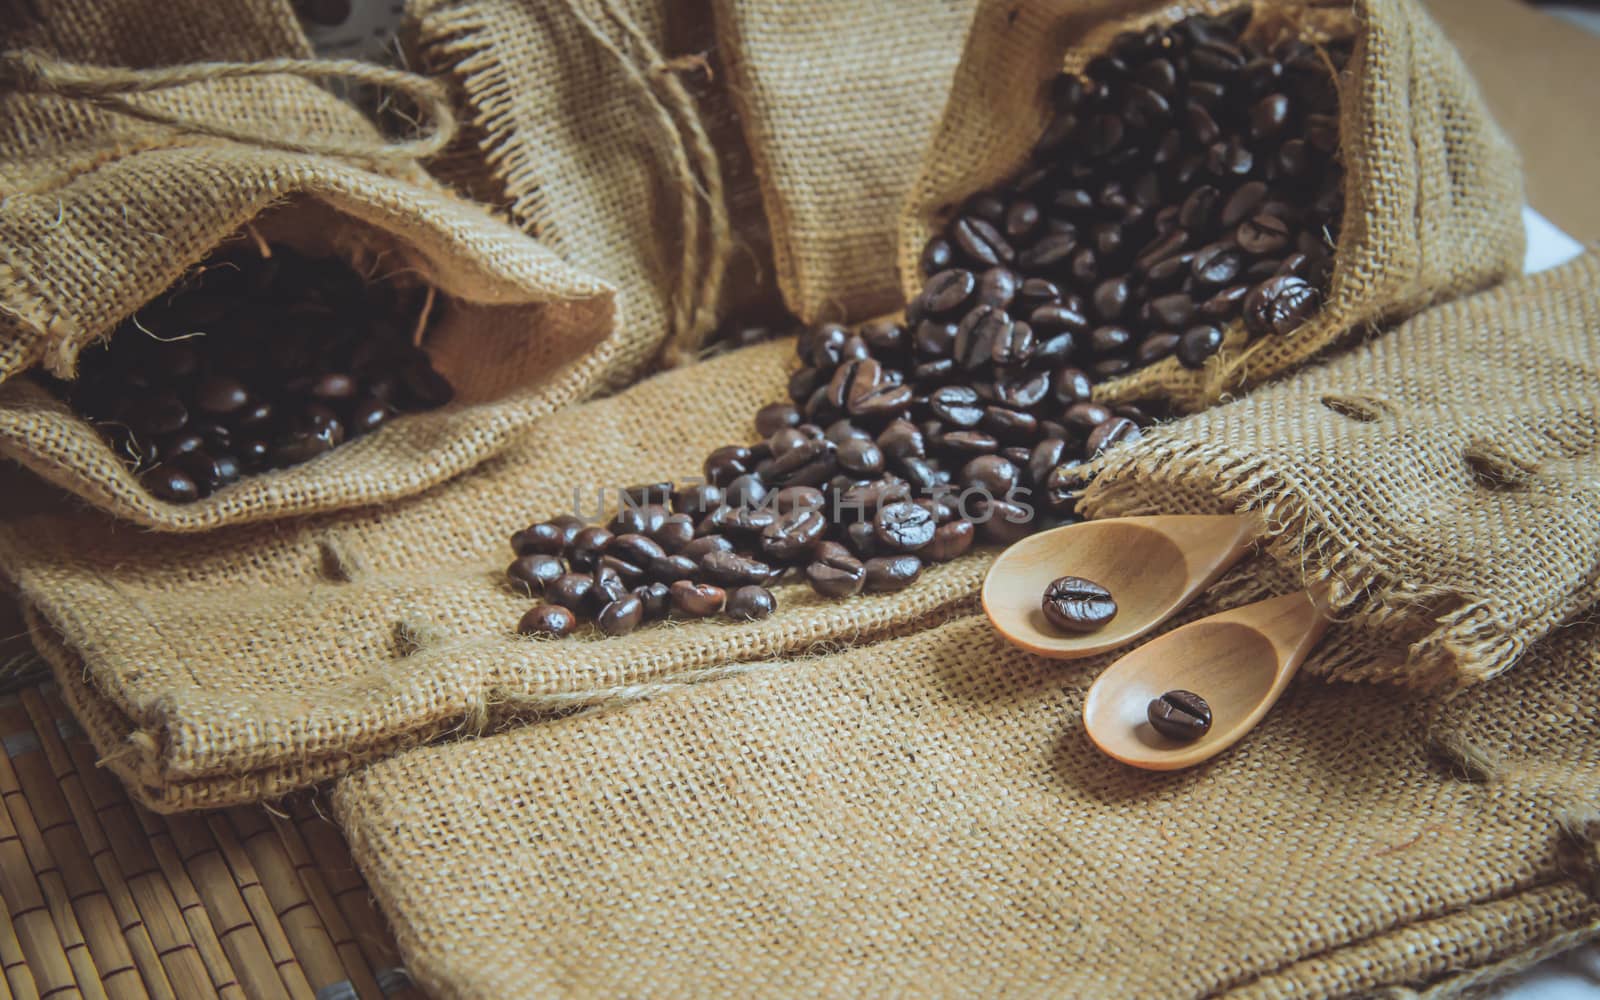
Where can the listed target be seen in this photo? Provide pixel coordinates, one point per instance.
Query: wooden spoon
(1153, 566)
(1239, 661)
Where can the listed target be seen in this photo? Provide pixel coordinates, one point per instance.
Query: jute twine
(695, 170)
(33, 72)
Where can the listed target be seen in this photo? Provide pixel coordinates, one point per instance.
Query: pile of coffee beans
(1189, 179)
(253, 362)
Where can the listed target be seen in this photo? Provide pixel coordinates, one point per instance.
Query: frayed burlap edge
(460, 43)
(139, 750)
(1351, 586)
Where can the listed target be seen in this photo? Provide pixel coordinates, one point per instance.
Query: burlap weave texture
(239, 664)
(926, 816)
(1433, 189)
(1442, 482)
(100, 212)
(837, 101)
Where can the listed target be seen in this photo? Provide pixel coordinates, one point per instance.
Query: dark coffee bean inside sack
(252, 363)
(1185, 195)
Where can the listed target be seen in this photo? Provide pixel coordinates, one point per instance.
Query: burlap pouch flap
(240, 664)
(926, 817)
(100, 212)
(1433, 189)
(582, 131)
(836, 101)
(1443, 482)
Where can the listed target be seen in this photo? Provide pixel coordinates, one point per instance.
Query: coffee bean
(1279, 305)
(1085, 417)
(656, 598)
(981, 242)
(1004, 522)
(861, 457)
(835, 572)
(904, 527)
(169, 484)
(994, 475)
(608, 582)
(1216, 264)
(697, 600)
(950, 541)
(936, 256)
(621, 615)
(794, 534)
(733, 569)
(570, 590)
(1262, 234)
(586, 548)
(748, 604)
(1111, 432)
(546, 537)
(548, 620)
(1197, 344)
(1179, 715)
(221, 395)
(669, 569)
(1073, 604)
(887, 574)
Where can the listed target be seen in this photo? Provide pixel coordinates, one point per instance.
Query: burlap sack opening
(925, 815)
(239, 664)
(1433, 189)
(1439, 482)
(102, 212)
(836, 100)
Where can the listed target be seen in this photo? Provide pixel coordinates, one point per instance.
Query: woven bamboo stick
(27, 775)
(247, 882)
(30, 915)
(226, 919)
(313, 937)
(190, 954)
(18, 979)
(96, 852)
(319, 852)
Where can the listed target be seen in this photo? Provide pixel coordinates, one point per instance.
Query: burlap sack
(581, 129)
(1433, 189)
(251, 660)
(836, 101)
(101, 210)
(1442, 483)
(926, 817)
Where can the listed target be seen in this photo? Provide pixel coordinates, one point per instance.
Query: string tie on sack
(32, 72)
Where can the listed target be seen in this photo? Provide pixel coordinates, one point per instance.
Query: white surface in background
(1547, 245)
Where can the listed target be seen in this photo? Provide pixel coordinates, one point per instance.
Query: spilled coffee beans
(252, 363)
(1188, 185)
(1180, 715)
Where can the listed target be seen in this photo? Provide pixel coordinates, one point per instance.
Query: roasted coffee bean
(1085, 417)
(792, 498)
(976, 336)
(570, 590)
(956, 405)
(851, 380)
(1004, 522)
(621, 616)
(1015, 347)
(1111, 298)
(587, 547)
(1243, 203)
(902, 439)
(751, 603)
(169, 484)
(1179, 715)
(885, 339)
(992, 474)
(704, 545)
(1216, 264)
(1106, 341)
(546, 537)
(997, 287)
(608, 583)
(835, 572)
(656, 599)
(645, 494)
(862, 538)
(746, 491)
(981, 242)
(697, 600)
(948, 290)
(733, 569)
(1112, 432)
(1073, 604)
(1262, 234)
(950, 541)
(861, 458)
(1022, 391)
(969, 442)
(936, 256)
(640, 550)
(668, 569)
(1279, 305)
(1197, 344)
(794, 534)
(725, 465)
(904, 526)
(221, 395)
(1156, 346)
(548, 620)
(887, 574)
(675, 532)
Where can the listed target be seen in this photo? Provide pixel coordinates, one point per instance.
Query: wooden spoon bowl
(1153, 566)
(1240, 661)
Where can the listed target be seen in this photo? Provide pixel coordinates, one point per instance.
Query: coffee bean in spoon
(1179, 715)
(1073, 604)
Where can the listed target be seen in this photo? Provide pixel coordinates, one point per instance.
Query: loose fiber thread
(31, 72)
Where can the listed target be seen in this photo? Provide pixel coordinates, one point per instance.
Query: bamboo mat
(104, 899)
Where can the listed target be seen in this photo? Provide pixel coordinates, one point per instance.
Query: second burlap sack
(1433, 189)
(101, 210)
(925, 816)
(1439, 487)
